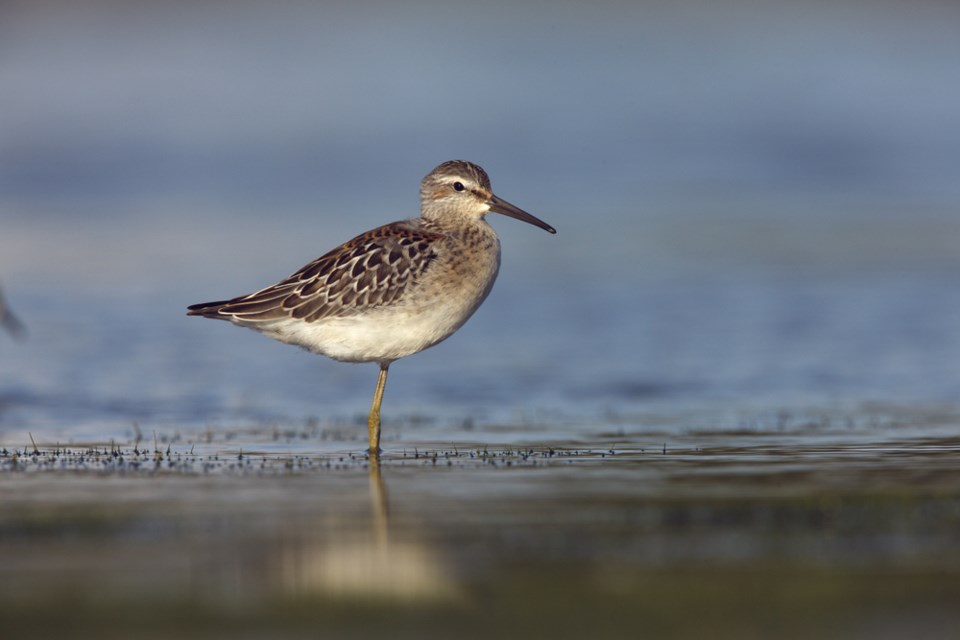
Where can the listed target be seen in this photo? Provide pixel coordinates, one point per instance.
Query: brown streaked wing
(373, 269)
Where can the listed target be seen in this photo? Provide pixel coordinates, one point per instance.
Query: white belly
(373, 337)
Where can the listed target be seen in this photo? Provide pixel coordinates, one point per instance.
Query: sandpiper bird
(392, 291)
(9, 321)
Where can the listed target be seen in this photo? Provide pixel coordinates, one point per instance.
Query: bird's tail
(207, 309)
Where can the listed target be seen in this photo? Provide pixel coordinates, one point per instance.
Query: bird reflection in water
(360, 562)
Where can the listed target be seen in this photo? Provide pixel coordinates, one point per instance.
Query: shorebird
(9, 321)
(392, 291)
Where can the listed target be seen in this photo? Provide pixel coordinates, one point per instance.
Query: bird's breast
(462, 274)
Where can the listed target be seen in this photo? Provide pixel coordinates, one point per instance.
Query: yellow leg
(373, 423)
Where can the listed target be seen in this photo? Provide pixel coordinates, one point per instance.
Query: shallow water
(723, 348)
(772, 449)
(839, 531)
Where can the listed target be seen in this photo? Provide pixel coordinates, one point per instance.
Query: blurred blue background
(757, 202)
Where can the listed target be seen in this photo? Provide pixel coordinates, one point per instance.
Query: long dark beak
(502, 206)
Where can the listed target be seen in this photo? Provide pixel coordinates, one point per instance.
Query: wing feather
(371, 270)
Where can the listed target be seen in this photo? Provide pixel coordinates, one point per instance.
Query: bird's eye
(458, 186)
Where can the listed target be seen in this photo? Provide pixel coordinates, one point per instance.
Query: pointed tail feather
(207, 309)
